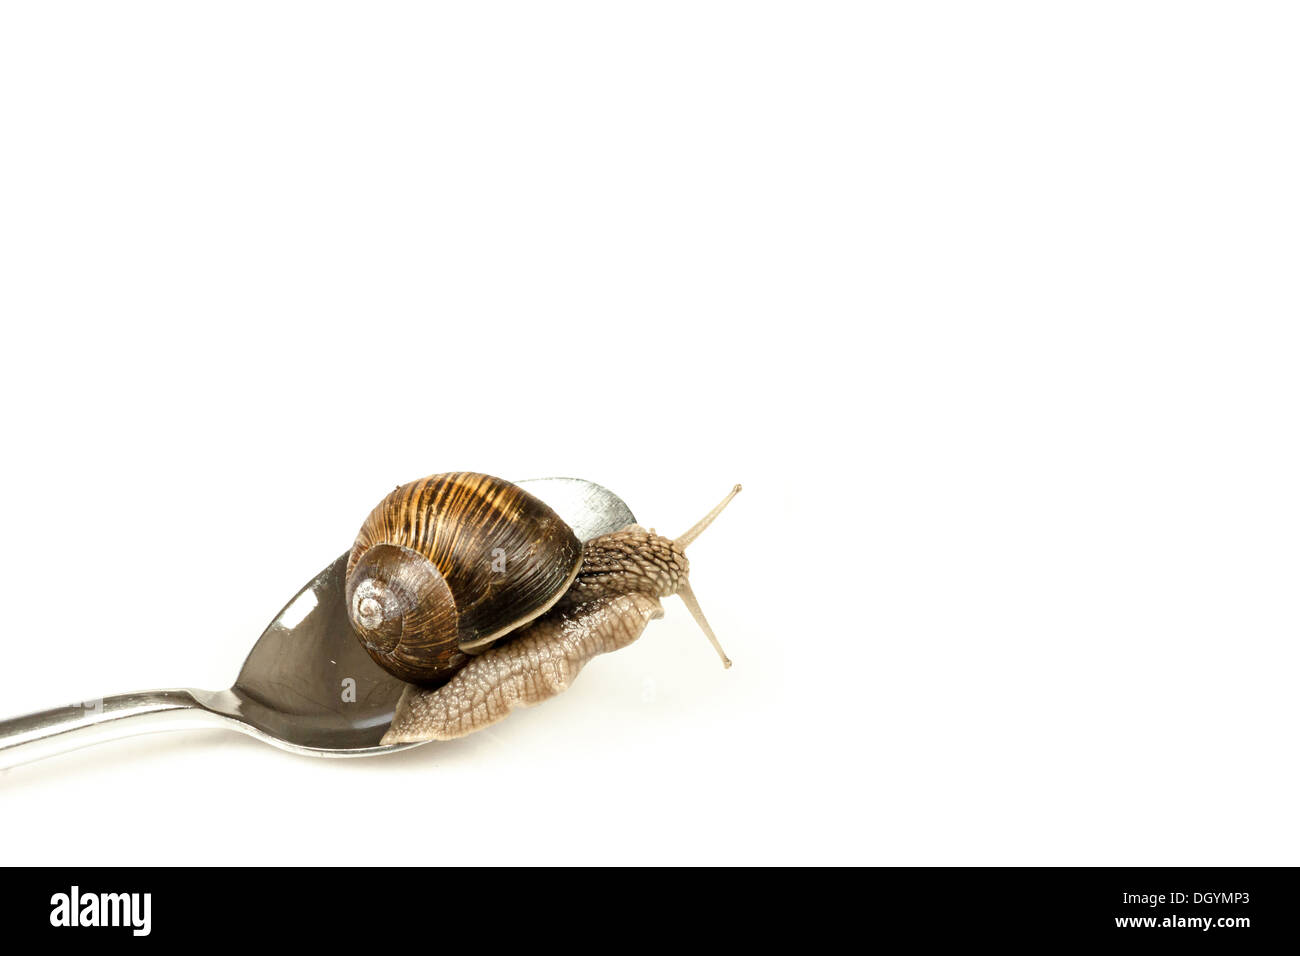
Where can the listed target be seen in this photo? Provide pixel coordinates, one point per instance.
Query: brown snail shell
(446, 565)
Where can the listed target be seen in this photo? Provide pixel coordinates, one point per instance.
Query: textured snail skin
(632, 559)
(538, 663)
(615, 595)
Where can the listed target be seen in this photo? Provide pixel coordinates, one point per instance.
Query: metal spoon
(307, 686)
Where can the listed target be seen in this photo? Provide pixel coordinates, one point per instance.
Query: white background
(992, 308)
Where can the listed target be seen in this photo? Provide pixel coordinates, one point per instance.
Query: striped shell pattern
(446, 565)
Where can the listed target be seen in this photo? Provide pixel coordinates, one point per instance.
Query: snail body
(480, 597)
(538, 663)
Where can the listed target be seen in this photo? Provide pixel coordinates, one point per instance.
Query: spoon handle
(61, 729)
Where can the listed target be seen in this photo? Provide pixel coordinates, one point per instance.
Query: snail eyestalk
(684, 588)
(707, 520)
(688, 598)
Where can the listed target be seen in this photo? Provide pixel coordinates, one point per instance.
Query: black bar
(1225, 907)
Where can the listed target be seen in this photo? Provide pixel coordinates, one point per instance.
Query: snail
(481, 598)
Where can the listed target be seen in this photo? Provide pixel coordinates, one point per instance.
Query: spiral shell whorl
(404, 613)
